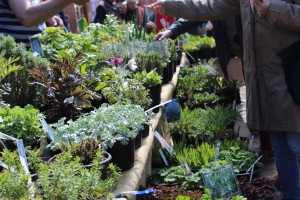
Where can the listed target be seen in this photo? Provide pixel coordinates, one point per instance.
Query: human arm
(181, 26)
(197, 10)
(31, 15)
(281, 13)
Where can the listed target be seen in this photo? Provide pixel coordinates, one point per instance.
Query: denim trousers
(286, 146)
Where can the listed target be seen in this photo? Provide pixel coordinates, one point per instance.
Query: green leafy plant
(14, 181)
(127, 91)
(196, 43)
(198, 156)
(67, 179)
(148, 79)
(215, 123)
(22, 123)
(240, 159)
(186, 126)
(149, 61)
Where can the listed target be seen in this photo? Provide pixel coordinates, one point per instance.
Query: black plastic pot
(145, 131)
(123, 155)
(154, 92)
(138, 140)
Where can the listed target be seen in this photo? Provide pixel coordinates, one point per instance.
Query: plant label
(164, 143)
(3, 165)
(47, 128)
(217, 150)
(22, 155)
(36, 46)
(163, 157)
(221, 182)
(187, 167)
(7, 137)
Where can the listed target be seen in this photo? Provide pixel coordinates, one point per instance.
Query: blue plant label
(163, 157)
(47, 128)
(164, 143)
(36, 46)
(217, 151)
(134, 194)
(22, 155)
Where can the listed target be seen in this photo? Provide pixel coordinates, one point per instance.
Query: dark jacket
(105, 8)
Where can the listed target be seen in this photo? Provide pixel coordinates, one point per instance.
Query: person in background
(228, 44)
(268, 27)
(163, 21)
(132, 11)
(22, 19)
(106, 7)
(149, 24)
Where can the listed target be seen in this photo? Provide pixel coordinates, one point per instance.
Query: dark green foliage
(21, 93)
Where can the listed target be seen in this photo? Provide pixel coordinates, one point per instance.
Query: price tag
(22, 155)
(47, 128)
(164, 143)
(217, 150)
(163, 157)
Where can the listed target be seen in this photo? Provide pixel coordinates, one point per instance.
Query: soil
(163, 192)
(259, 188)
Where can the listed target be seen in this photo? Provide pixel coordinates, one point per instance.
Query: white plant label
(47, 128)
(164, 143)
(22, 155)
(163, 157)
(3, 165)
(7, 137)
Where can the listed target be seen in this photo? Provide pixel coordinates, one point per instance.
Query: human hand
(163, 35)
(262, 7)
(158, 6)
(55, 21)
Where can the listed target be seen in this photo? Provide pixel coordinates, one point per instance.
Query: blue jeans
(286, 146)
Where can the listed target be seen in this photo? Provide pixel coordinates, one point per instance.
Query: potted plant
(21, 93)
(199, 48)
(62, 89)
(241, 160)
(22, 123)
(14, 180)
(66, 178)
(151, 80)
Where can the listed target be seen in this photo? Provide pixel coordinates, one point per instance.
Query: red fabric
(265, 143)
(159, 18)
(140, 13)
